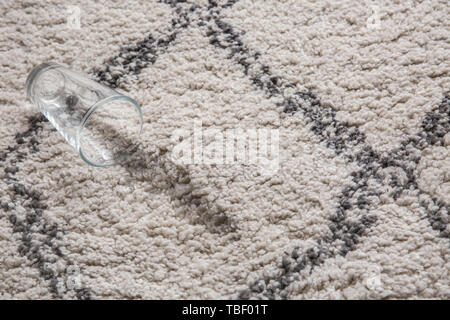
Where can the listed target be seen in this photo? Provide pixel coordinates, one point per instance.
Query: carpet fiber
(359, 205)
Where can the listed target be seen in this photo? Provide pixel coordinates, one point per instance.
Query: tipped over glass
(102, 124)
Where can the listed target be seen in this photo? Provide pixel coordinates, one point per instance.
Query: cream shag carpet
(359, 207)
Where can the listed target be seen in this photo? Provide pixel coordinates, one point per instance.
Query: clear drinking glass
(100, 123)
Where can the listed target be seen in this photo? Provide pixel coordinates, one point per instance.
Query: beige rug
(357, 203)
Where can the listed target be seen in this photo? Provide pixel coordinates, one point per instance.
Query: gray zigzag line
(342, 140)
(33, 226)
(348, 232)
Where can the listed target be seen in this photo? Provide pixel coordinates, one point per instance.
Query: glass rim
(91, 111)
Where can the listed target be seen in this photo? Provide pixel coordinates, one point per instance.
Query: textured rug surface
(358, 207)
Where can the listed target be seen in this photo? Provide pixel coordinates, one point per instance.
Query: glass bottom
(34, 73)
